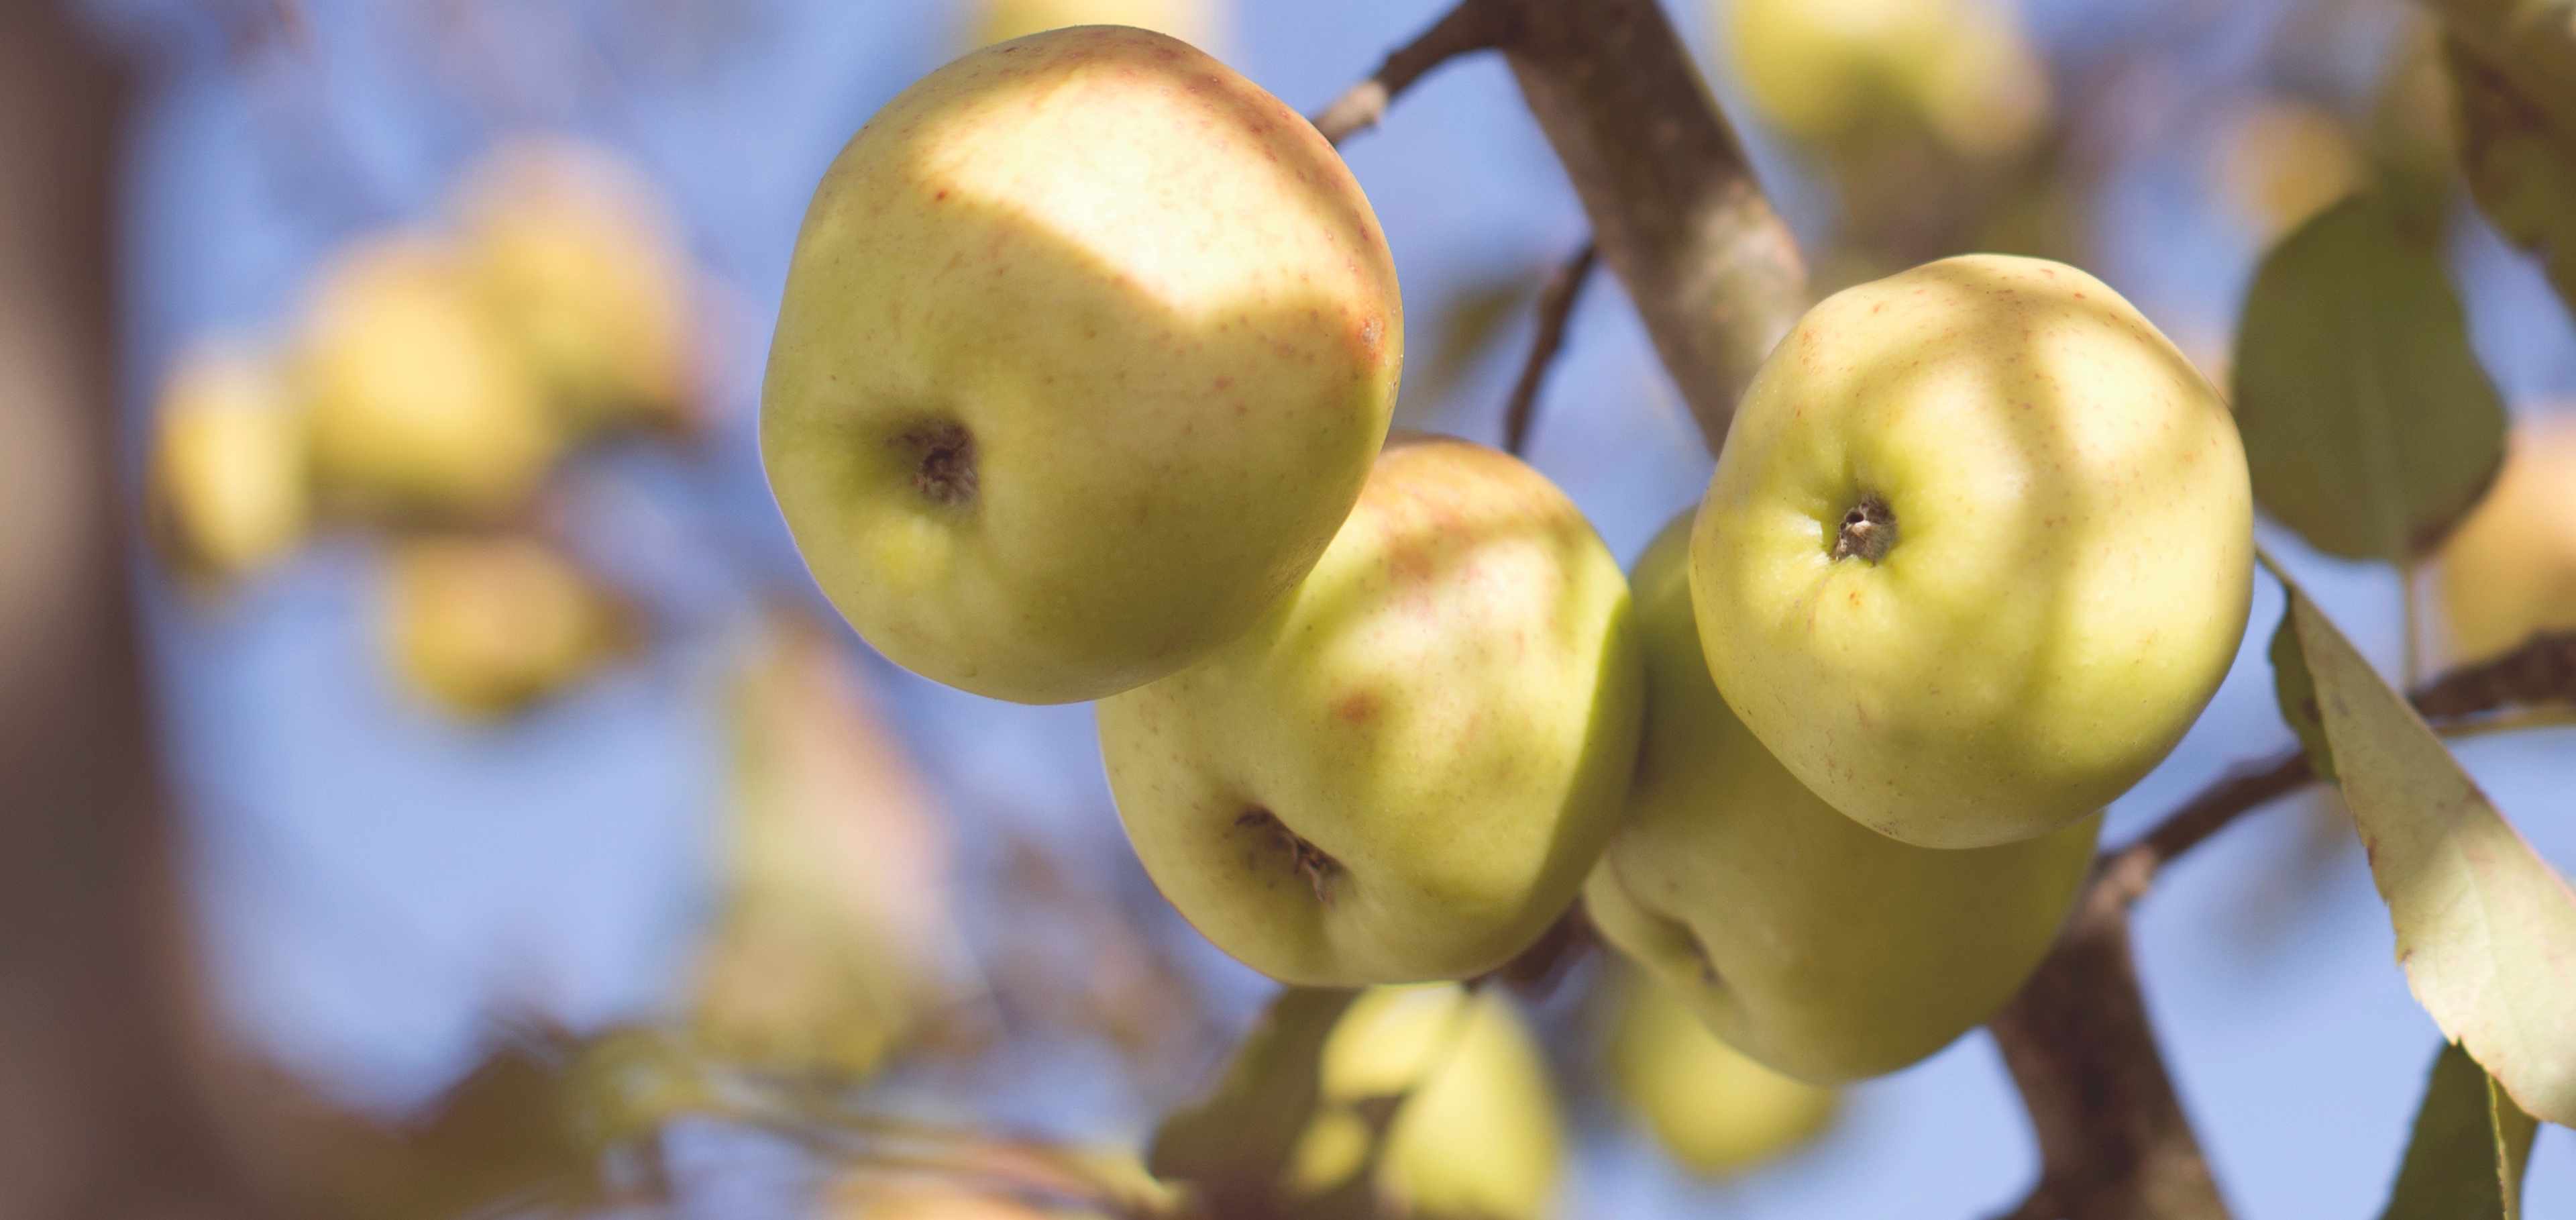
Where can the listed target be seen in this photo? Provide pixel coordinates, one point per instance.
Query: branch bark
(1467, 29)
(1556, 304)
(2114, 1143)
(1675, 207)
(104, 1112)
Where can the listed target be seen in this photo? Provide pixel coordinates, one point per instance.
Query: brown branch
(108, 1109)
(1675, 208)
(1469, 28)
(1555, 308)
(2540, 671)
(2114, 1143)
(2113, 1139)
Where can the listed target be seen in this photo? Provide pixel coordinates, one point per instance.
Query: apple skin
(1196, 22)
(1086, 348)
(418, 404)
(1825, 70)
(2510, 568)
(228, 490)
(577, 256)
(2071, 558)
(1403, 771)
(1714, 1109)
(484, 628)
(1816, 946)
(1480, 1131)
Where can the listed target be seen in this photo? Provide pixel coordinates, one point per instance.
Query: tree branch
(1555, 308)
(1675, 207)
(2114, 1143)
(2113, 1139)
(1468, 28)
(2540, 671)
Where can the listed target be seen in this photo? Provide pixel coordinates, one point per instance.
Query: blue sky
(370, 874)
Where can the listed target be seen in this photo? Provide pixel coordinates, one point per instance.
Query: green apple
(1807, 941)
(1978, 550)
(2510, 568)
(1403, 770)
(228, 488)
(1196, 22)
(1824, 70)
(486, 627)
(1713, 1108)
(417, 401)
(1478, 1132)
(1087, 345)
(583, 265)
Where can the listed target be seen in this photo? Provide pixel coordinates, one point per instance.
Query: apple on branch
(1821, 948)
(1978, 551)
(1087, 345)
(1403, 771)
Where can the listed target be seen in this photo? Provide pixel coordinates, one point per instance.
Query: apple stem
(1868, 531)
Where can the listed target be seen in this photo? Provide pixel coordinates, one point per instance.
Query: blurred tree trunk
(100, 1110)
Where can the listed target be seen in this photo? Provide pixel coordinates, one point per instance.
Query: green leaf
(2485, 929)
(2471, 1144)
(2296, 691)
(2513, 70)
(1234, 1146)
(1468, 322)
(2369, 426)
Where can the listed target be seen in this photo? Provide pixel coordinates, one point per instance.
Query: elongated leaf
(2296, 691)
(1234, 1147)
(2369, 426)
(2486, 930)
(2513, 69)
(2466, 1158)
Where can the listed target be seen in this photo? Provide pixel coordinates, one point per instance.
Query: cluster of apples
(1080, 390)
(435, 379)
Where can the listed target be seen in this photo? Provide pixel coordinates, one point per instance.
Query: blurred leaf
(2369, 425)
(2469, 1150)
(1235, 1146)
(2513, 68)
(2485, 929)
(834, 938)
(2296, 691)
(1468, 321)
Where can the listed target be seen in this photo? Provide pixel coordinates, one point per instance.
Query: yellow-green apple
(1824, 69)
(2279, 159)
(1086, 347)
(1403, 770)
(1712, 1107)
(2510, 568)
(582, 264)
(1196, 22)
(1977, 552)
(1478, 1131)
(228, 490)
(417, 401)
(484, 627)
(1821, 948)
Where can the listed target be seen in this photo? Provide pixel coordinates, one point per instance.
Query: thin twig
(1471, 27)
(2541, 671)
(1674, 203)
(1555, 308)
